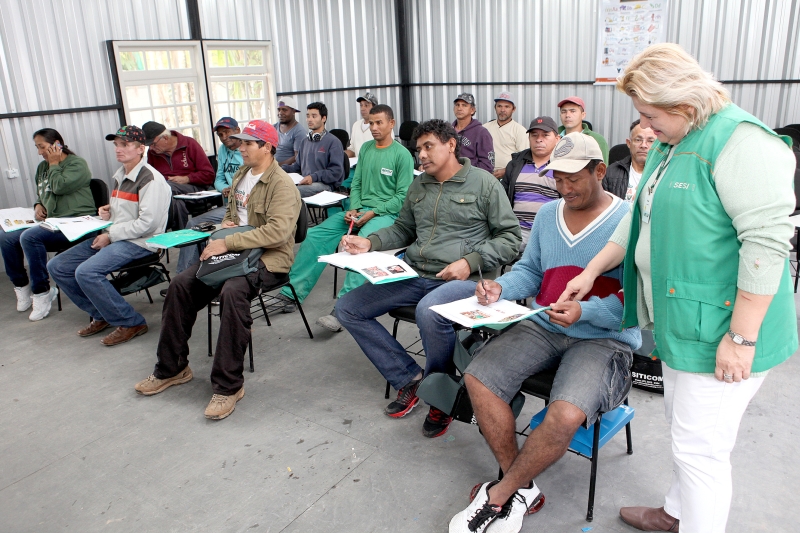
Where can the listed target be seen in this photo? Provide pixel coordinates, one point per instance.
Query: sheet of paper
(353, 161)
(325, 198)
(296, 178)
(75, 227)
(469, 313)
(377, 267)
(197, 195)
(418, 172)
(17, 218)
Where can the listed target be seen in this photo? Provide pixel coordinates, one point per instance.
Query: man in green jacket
(455, 221)
(572, 111)
(262, 196)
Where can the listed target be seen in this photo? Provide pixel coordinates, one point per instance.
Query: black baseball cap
(544, 124)
(128, 133)
(151, 131)
(467, 97)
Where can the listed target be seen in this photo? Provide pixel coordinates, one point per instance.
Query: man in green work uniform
(384, 172)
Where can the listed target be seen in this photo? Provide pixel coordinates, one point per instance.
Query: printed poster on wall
(626, 28)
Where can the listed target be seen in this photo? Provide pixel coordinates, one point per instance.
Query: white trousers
(704, 416)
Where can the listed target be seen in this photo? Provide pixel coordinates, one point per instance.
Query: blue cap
(226, 122)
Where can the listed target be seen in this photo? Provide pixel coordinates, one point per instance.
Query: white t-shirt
(242, 194)
(633, 182)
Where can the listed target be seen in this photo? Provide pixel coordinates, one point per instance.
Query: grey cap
(467, 97)
(369, 97)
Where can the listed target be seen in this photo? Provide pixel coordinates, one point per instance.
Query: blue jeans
(358, 309)
(81, 273)
(314, 188)
(190, 255)
(33, 243)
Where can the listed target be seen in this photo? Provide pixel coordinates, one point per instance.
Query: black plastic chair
(342, 135)
(405, 134)
(618, 152)
(258, 301)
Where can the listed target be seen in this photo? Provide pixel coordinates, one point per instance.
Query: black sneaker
(406, 400)
(436, 423)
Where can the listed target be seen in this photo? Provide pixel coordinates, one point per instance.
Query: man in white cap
(508, 135)
(582, 338)
(360, 132)
(290, 132)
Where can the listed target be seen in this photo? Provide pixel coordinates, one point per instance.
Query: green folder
(177, 238)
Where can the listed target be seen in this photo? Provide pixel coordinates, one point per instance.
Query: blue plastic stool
(588, 441)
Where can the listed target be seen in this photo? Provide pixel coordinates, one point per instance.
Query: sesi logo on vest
(682, 185)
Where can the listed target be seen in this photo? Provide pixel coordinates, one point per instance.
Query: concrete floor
(308, 449)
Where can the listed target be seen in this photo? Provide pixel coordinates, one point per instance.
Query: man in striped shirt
(527, 190)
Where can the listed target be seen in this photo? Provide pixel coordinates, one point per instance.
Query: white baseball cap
(573, 153)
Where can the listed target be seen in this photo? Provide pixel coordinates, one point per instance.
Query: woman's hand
(734, 360)
(53, 153)
(39, 212)
(578, 287)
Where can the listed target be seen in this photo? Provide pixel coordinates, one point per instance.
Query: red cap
(573, 100)
(258, 130)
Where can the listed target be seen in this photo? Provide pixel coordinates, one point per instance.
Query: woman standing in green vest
(706, 267)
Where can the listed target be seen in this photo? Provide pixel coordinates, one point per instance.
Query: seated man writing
(262, 196)
(582, 339)
(384, 172)
(138, 209)
(455, 219)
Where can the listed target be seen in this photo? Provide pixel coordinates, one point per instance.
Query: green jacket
(63, 189)
(468, 216)
(272, 209)
(694, 258)
(597, 137)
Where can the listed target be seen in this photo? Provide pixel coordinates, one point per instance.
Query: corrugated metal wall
(318, 44)
(53, 56)
(555, 41)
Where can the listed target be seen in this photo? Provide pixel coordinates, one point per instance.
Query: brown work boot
(221, 406)
(123, 334)
(649, 519)
(94, 327)
(153, 385)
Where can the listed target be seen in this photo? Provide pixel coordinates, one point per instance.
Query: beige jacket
(272, 209)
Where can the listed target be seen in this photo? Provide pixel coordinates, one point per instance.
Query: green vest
(694, 257)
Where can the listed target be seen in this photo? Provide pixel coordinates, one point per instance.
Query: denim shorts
(592, 375)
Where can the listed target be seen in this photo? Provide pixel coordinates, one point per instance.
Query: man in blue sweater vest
(582, 339)
(321, 157)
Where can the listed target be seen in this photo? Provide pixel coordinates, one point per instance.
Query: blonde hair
(667, 77)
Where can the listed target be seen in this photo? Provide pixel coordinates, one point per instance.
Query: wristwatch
(738, 339)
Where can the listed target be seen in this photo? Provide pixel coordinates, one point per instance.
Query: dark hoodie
(477, 145)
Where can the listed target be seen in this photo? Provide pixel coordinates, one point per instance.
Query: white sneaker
(23, 297)
(329, 322)
(525, 501)
(42, 303)
(478, 515)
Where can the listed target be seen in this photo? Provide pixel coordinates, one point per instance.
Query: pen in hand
(352, 221)
(483, 285)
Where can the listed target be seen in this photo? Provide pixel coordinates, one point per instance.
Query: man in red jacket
(182, 161)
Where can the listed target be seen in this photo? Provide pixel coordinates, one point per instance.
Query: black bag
(646, 373)
(217, 269)
(139, 279)
(646, 369)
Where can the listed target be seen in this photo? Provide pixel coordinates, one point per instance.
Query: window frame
(199, 72)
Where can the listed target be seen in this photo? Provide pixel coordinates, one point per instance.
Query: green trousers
(323, 240)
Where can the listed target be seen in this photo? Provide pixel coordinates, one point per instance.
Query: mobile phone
(57, 144)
